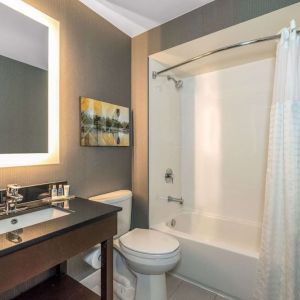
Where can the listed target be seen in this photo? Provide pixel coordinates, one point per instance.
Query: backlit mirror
(29, 86)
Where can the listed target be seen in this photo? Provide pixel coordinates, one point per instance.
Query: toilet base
(151, 287)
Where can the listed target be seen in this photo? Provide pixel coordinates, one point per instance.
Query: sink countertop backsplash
(81, 212)
(33, 192)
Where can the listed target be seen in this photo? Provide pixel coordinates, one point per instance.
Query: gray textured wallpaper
(95, 60)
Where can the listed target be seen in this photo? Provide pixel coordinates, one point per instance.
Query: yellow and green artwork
(103, 124)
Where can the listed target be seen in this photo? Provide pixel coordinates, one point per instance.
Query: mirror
(23, 84)
(29, 96)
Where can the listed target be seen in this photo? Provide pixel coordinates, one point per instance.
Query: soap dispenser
(54, 191)
(60, 191)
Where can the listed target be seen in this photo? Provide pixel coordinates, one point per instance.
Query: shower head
(178, 83)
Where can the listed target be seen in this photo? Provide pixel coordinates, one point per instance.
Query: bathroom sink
(28, 219)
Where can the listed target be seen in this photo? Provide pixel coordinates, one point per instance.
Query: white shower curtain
(279, 264)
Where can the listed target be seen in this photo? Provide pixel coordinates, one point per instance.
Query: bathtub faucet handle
(169, 176)
(173, 199)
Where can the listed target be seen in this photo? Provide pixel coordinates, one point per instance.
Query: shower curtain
(279, 263)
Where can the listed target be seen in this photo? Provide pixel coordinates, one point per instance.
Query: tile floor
(180, 290)
(177, 289)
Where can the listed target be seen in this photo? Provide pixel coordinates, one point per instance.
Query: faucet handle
(13, 186)
(13, 192)
(169, 176)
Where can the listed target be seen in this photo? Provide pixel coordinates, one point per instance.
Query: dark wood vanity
(50, 244)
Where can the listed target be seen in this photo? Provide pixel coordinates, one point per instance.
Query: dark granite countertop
(82, 212)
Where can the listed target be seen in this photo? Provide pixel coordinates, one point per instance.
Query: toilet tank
(123, 199)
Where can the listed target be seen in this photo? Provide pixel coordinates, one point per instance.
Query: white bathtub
(218, 254)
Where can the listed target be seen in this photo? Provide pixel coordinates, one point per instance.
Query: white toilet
(149, 254)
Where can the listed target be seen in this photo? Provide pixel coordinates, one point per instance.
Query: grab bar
(173, 199)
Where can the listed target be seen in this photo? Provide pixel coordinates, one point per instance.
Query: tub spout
(173, 199)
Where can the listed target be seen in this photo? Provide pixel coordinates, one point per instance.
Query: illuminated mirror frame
(52, 157)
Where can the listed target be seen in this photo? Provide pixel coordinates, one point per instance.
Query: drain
(14, 221)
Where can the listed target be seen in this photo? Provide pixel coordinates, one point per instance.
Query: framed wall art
(103, 124)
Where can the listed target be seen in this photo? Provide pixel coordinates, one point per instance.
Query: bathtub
(218, 254)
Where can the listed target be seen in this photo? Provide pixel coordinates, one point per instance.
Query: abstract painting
(103, 123)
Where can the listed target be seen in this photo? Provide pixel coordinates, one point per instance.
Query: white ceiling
(134, 17)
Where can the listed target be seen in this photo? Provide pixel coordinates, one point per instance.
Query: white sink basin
(17, 222)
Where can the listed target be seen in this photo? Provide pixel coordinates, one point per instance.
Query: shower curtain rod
(237, 45)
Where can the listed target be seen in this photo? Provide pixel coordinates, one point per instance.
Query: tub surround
(164, 108)
(46, 245)
(227, 115)
(215, 143)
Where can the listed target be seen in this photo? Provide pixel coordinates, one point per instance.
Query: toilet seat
(149, 244)
(146, 256)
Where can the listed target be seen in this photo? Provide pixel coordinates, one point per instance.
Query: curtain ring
(292, 26)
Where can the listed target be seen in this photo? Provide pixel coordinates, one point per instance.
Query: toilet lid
(149, 241)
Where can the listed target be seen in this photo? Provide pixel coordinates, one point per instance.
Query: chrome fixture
(12, 198)
(178, 83)
(173, 223)
(237, 45)
(169, 176)
(173, 199)
(15, 236)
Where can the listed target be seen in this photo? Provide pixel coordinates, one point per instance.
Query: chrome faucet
(12, 198)
(178, 200)
(169, 176)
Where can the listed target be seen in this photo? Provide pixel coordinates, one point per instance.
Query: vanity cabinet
(52, 243)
